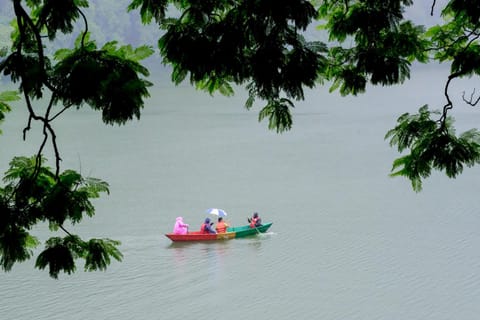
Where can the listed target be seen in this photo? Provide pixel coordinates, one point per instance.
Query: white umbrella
(217, 212)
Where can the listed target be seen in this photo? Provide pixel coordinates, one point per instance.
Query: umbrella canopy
(217, 212)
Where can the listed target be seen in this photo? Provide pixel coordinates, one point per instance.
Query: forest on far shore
(107, 20)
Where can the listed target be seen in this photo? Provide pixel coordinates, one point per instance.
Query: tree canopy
(262, 45)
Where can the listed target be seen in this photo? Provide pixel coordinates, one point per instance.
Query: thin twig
(471, 101)
(86, 27)
(65, 230)
(449, 105)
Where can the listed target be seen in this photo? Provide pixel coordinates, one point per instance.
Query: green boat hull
(246, 231)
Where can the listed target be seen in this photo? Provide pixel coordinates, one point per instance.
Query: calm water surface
(347, 242)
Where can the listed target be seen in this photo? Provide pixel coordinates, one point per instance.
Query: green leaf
(178, 74)
(15, 246)
(431, 146)
(226, 89)
(100, 252)
(59, 16)
(57, 257)
(94, 186)
(213, 84)
(9, 96)
(141, 53)
(278, 114)
(114, 85)
(24, 168)
(6, 96)
(250, 101)
(411, 127)
(150, 9)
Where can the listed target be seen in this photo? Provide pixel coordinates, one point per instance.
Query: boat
(232, 232)
(200, 236)
(245, 231)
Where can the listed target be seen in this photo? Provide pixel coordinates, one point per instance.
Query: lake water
(347, 241)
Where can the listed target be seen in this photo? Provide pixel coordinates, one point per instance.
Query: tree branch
(65, 230)
(471, 101)
(433, 6)
(449, 105)
(84, 34)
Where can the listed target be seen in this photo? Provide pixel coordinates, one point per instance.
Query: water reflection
(204, 264)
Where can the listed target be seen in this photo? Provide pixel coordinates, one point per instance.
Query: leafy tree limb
(108, 79)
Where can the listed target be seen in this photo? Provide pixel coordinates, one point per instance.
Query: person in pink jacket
(180, 227)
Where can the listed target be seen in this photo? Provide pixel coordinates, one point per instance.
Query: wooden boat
(199, 236)
(232, 232)
(245, 231)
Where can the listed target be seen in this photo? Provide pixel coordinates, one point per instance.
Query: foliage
(108, 79)
(266, 46)
(5, 98)
(262, 44)
(34, 194)
(257, 43)
(432, 145)
(384, 45)
(113, 86)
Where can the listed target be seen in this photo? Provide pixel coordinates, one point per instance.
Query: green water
(347, 242)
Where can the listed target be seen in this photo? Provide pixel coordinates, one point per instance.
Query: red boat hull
(198, 236)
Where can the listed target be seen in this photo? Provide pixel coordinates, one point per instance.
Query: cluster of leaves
(34, 194)
(260, 43)
(113, 84)
(252, 42)
(432, 145)
(109, 79)
(106, 79)
(383, 44)
(6, 97)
